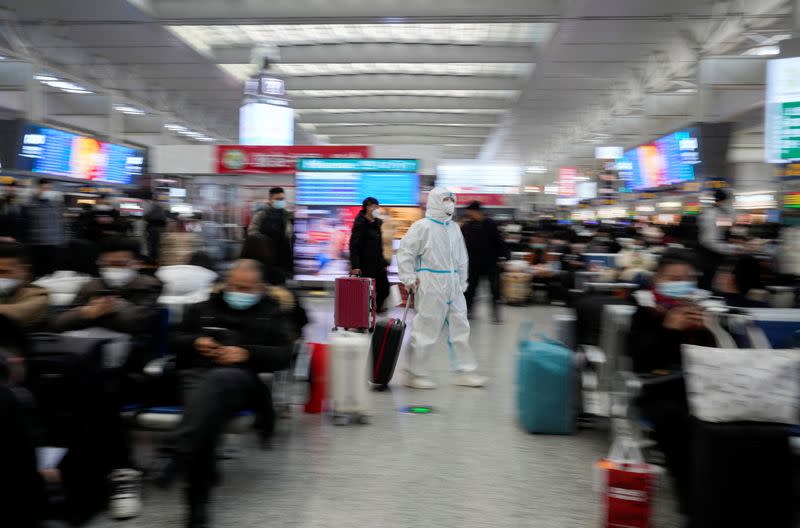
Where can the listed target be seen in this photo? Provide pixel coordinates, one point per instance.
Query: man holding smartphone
(242, 330)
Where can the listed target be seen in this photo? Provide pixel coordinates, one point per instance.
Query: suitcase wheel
(363, 419)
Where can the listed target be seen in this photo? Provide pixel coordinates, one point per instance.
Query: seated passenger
(223, 345)
(20, 301)
(78, 265)
(666, 319)
(740, 284)
(122, 299)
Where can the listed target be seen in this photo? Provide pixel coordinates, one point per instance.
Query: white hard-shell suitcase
(349, 359)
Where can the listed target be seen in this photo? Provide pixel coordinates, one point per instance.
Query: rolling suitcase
(545, 386)
(354, 306)
(386, 343)
(348, 353)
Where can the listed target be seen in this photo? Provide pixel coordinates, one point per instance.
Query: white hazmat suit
(433, 252)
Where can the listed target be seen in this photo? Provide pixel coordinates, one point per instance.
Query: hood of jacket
(435, 208)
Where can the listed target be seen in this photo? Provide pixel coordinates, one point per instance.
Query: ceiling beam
(401, 82)
(404, 140)
(307, 11)
(392, 102)
(400, 118)
(382, 53)
(404, 130)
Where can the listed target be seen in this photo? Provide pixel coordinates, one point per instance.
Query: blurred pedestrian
(485, 247)
(275, 222)
(714, 222)
(12, 225)
(155, 218)
(366, 249)
(44, 220)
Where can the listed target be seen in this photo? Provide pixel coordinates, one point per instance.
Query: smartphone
(218, 334)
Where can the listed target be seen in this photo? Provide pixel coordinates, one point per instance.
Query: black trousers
(381, 285)
(211, 397)
(493, 275)
(708, 262)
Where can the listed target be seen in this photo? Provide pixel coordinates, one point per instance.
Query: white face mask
(8, 285)
(449, 208)
(117, 277)
(377, 214)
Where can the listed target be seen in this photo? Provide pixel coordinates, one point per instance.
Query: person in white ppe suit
(432, 260)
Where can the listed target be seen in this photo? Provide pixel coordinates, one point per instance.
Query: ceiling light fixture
(128, 110)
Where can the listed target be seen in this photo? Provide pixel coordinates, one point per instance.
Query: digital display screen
(669, 160)
(56, 152)
(322, 245)
(350, 188)
(266, 124)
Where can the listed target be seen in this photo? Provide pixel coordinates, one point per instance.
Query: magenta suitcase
(354, 303)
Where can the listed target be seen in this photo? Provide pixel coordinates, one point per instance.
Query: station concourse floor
(467, 465)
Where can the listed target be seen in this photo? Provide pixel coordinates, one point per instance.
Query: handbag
(731, 384)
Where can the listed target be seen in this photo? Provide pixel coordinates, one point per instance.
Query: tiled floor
(466, 465)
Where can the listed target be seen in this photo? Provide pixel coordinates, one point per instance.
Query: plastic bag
(627, 486)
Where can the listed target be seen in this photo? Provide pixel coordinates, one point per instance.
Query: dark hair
(13, 250)
(369, 200)
(43, 181)
(202, 259)
(720, 195)
(474, 206)
(674, 257)
(113, 244)
(275, 190)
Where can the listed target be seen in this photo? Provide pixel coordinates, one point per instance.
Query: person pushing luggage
(432, 260)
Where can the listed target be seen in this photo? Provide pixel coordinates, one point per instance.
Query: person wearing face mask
(104, 220)
(432, 261)
(275, 223)
(44, 221)
(366, 248)
(121, 299)
(20, 301)
(12, 226)
(224, 343)
(713, 249)
(667, 318)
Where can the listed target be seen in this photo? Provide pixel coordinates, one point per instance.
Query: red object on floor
(319, 378)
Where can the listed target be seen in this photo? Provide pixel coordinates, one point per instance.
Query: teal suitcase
(545, 385)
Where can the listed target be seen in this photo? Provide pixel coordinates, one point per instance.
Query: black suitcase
(742, 475)
(385, 349)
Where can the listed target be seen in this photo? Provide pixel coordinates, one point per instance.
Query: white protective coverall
(433, 252)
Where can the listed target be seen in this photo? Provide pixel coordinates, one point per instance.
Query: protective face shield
(117, 277)
(676, 289)
(241, 300)
(8, 285)
(279, 204)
